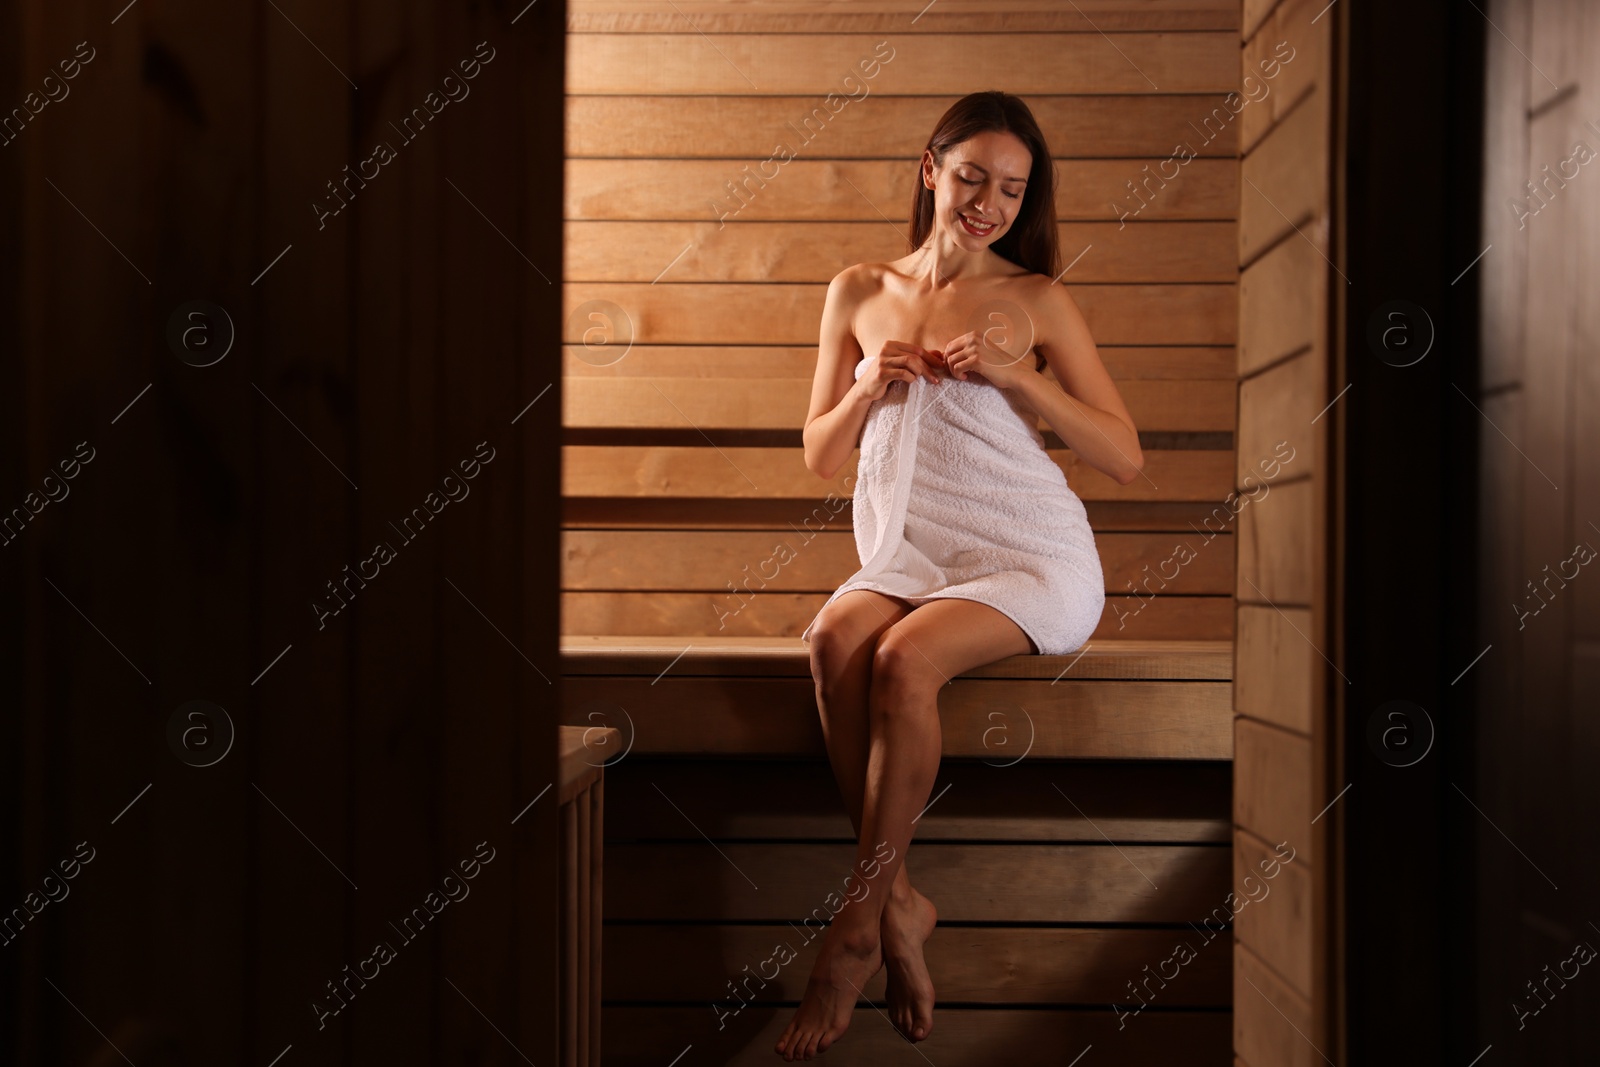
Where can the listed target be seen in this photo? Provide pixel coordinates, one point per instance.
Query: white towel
(961, 500)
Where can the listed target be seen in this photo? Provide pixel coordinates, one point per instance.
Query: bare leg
(843, 645)
(913, 659)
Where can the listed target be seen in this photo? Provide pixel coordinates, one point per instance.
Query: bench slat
(993, 719)
(789, 657)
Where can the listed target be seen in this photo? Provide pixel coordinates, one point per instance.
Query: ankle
(854, 935)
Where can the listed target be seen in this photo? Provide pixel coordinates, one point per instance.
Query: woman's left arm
(1086, 411)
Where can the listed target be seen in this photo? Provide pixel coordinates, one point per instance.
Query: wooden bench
(1079, 825)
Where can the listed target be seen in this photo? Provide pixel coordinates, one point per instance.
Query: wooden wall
(1539, 481)
(684, 481)
(1285, 738)
(683, 469)
(375, 749)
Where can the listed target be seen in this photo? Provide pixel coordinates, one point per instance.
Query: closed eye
(966, 181)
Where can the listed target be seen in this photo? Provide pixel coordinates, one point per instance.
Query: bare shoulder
(859, 281)
(1057, 318)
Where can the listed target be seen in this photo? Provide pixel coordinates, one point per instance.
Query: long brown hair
(1033, 240)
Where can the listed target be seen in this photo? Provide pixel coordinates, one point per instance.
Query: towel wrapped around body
(955, 496)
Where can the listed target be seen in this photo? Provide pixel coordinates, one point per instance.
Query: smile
(975, 227)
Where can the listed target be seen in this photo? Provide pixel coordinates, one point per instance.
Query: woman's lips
(967, 223)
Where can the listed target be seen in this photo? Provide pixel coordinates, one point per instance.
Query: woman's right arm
(839, 400)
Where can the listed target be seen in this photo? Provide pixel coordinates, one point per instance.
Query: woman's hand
(899, 362)
(973, 354)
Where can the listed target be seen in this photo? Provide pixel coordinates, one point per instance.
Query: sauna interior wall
(683, 469)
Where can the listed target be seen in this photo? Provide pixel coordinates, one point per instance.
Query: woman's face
(978, 190)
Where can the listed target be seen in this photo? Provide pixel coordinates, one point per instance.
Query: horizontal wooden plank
(1282, 304)
(995, 800)
(996, 719)
(626, 471)
(1276, 665)
(711, 251)
(788, 657)
(1122, 362)
(815, 560)
(1289, 34)
(848, 68)
(1278, 557)
(1277, 435)
(736, 882)
(717, 616)
(788, 312)
(710, 513)
(972, 965)
(1272, 1023)
(1272, 787)
(636, 1036)
(1283, 192)
(817, 190)
(782, 404)
(885, 16)
(752, 128)
(1276, 921)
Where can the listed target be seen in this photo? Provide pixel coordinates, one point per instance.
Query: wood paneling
(840, 190)
(864, 16)
(623, 471)
(718, 614)
(816, 251)
(1281, 303)
(788, 313)
(788, 657)
(1271, 1020)
(638, 560)
(1283, 181)
(1030, 883)
(816, 64)
(682, 472)
(1277, 408)
(1275, 539)
(1276, 918)
(1001, 798)
(975, 965)
(1288, 47)
(1272, 681)
(1065, 720)
(745, 1038)
(746, 128)
(1272, 787)
(782, 403)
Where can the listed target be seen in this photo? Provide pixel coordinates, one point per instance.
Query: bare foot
(907, 923)
(844, 964)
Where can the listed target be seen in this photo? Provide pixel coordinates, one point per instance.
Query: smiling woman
(973, 547)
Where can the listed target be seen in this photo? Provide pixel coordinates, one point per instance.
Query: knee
(902, 677)
(834, 645)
